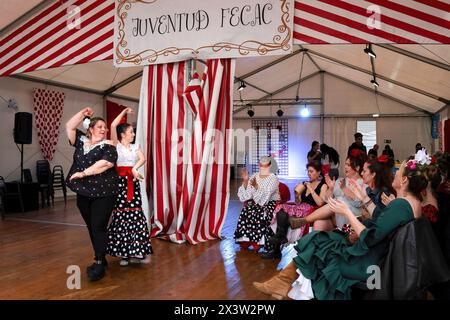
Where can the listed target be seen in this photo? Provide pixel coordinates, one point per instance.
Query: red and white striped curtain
(185, 131)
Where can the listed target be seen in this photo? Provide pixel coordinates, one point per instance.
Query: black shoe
(272, 254)
(104, 262)
(96, 271)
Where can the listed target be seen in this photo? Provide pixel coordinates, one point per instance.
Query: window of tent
(369, 132)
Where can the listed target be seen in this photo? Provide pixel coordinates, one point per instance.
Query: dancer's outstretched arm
(74, 122)
(116, 122)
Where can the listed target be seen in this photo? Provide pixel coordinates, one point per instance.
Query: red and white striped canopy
(46, 40)
(372, 21)
(52, 38)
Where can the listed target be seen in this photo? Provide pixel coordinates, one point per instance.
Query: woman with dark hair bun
(308, 196)
(128, 233)
(377, 175)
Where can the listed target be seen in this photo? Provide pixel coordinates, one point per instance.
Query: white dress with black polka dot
(255, 218)
(128, 233)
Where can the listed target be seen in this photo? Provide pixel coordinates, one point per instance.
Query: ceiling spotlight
(369, 51)
(304, 112)
(242, 86)
(375, 83)
(250, 113)
(280, 112)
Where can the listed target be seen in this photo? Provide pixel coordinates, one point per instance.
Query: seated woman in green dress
(328, 264)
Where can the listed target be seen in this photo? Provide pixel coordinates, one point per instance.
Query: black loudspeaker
(23, 128)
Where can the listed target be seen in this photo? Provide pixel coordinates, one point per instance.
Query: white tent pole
(322, 106)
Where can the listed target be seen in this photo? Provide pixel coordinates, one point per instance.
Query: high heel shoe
(296, 223)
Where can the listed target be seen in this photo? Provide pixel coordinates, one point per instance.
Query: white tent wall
(22, 92)
(404, 134)
(302, 132)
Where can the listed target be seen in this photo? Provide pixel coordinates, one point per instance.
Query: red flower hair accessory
(356, 153)
(383, 159)
(434, 160)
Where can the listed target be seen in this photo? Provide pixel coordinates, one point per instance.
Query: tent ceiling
(432, 80)
(10, 10)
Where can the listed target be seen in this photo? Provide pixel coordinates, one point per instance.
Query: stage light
(369, 51)
(242, 86)
(375, 83)
(304, 112)
(250, 113)
(279, 111)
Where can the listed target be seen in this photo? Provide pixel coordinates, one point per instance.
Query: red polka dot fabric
(48, 110)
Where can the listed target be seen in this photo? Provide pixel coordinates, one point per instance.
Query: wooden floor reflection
(37, 247)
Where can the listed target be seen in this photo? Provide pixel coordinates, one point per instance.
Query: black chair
(13, 192)
(2, 197)
(27, 178)
(412, 265)
(44, 178)
(58, 182)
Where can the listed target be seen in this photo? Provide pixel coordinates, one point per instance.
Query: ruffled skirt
(128, 233)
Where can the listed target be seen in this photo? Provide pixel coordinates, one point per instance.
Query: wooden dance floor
(36, 248)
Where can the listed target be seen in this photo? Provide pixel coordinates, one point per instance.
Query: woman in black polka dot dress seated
(128, 233)
(93, 178)
(261, 194)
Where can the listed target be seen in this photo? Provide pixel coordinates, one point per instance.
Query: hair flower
(355, 153)
(383, 159)
(86, 123)
(411, 165)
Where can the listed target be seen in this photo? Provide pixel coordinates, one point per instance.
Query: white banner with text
(161, 31)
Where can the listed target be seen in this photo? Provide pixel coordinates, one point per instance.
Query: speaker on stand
(22, 134)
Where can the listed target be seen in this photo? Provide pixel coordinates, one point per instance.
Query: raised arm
(74, 122)
(116, 122)
(298, 190)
